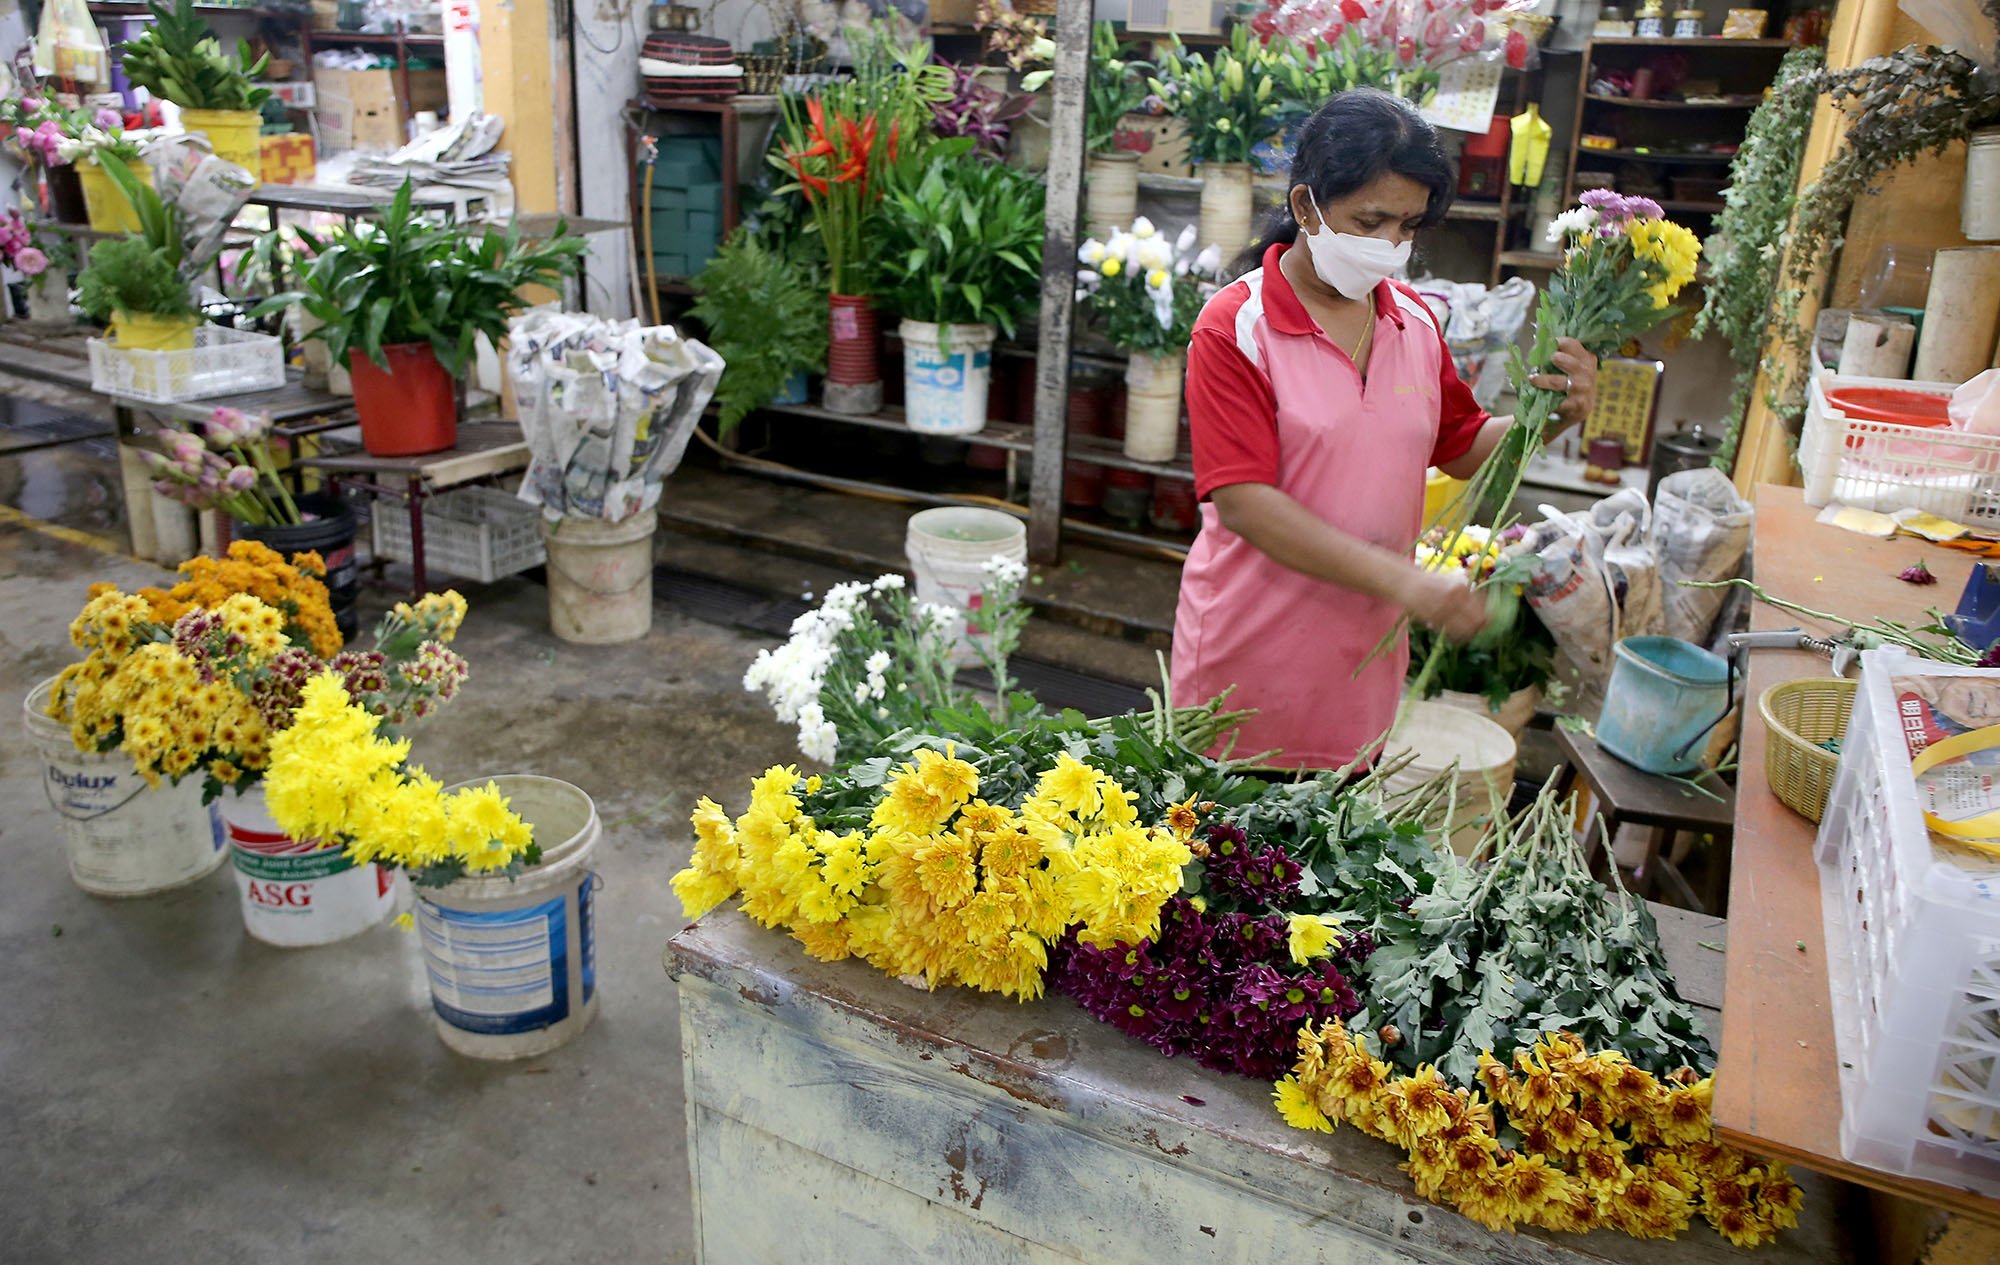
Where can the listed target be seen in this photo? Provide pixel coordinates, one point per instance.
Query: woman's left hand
(1575, 374)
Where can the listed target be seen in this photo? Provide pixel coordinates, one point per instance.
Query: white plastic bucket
(512, 962)
(1513, 716)
(601, 578)
(947, 370)
(948, 548)
(297, 894)
(1435, 736)
(1153, 406)
(122, 837)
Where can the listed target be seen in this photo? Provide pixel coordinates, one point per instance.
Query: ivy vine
(1747, 252)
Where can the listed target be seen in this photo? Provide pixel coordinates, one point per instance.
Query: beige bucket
(512, 962)
(122, 837)
(601, 578)
(948, 548)
(1434, 737)
(1514, 714)
(1225, 206)
(1153, 406)
(1110, 193)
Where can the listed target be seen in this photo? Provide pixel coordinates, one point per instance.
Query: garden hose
(1165, 553)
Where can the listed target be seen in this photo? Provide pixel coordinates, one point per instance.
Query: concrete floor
(176, 1092)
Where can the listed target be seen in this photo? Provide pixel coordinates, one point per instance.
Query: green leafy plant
(963, 245)
(179, 59)
(403, 279)
(1743, 271)
(1116, 86)
(1911, 102)
(764, 318)
(141, 273)
(1228, 100)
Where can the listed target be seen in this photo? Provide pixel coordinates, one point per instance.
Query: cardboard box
(286, 159)
(361, 109)
(1160, 140)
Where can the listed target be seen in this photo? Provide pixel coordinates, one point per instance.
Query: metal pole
(1065, 196)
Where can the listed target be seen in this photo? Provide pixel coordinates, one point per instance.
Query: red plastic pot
(409, 409)
(854, 341)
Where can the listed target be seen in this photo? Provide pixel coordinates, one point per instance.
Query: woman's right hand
(1445, 603)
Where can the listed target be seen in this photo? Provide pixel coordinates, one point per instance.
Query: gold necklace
(1367, 328)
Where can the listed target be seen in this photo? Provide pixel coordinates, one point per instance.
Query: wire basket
(483, 534)
(222, 362)
(1802, 716)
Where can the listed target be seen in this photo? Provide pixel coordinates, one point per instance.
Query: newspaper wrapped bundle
(606, 408)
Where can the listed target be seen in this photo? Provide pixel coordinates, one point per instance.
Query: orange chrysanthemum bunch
(295, 589)
(1564, 1140)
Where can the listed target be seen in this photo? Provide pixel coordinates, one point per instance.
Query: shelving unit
(402, 42)
(1653, 134)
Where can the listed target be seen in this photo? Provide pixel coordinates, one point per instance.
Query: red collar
(1288, 316)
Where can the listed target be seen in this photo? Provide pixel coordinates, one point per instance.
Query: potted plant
(979, 113)
(136, 282)
(961, 253)
(1115, 86)
(506, 859)
(1230, 103)
(766, 320)
(19, 252)
(1019, 47)
(176, 58)
(40, 126)
(1146, 292)
(411, 298)
(108, 210)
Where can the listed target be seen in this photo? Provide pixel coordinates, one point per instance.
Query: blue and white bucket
(121, 836)
(947, 370)
(513, 962)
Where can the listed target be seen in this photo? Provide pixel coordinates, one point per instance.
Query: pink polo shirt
(1272, 400)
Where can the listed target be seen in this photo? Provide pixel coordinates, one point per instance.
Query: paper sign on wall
(1467, 92)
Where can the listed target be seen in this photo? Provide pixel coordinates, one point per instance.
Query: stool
(1627, 796)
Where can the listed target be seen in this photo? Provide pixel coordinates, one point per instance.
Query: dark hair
(1356, 137)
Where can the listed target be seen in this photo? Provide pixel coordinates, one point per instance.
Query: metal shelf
(1011, 436)
(1670, 105)
(378, 39)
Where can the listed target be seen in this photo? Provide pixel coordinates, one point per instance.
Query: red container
(1127, 495)
(1174, 505)
(854, 341)
(1083, 481)
(1883, 404)
(408, 410)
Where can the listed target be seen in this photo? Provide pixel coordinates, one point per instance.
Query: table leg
(1718, 874)
(418, 577)
(1646, 878)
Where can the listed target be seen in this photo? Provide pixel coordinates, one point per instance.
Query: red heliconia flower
(821, 145)
(1517, 49)
(811, 182)
(1353, 10)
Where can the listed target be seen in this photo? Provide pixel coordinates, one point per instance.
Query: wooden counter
(837, 1116)
(1777, 1083)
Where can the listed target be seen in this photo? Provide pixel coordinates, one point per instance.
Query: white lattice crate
(483, 534)
(1913, 945)
(1887, 467)
(222, 361)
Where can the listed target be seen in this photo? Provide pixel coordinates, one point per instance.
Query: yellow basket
(1800, 715)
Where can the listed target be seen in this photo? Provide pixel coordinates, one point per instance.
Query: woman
(1319, 393)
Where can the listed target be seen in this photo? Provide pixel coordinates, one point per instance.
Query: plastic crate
(482, 534)
(1913, 946)
(1886, 467)
(222, 362)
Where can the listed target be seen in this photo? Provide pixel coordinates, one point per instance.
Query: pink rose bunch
(17, 246)
(1432, 33)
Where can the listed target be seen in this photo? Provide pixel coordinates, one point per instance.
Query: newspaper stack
(606, 408)
(459, 155)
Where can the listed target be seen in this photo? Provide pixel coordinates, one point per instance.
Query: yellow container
(110, 210)
(232, 134)
(1440, 489)
(140, 331)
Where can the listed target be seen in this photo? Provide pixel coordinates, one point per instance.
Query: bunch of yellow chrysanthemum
(1603, 1144)
(437, 615)
(1672, 250)
(332, 777)
(166, 697)
(943, 884)
(296, 589)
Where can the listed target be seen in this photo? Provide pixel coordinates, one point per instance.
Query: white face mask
(1352, 264)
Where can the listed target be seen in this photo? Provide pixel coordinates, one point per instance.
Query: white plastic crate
(482, 534)
(1913, 942)
(1886, 467)
(222, 362)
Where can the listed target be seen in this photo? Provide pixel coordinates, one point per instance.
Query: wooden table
(836, 1115)
(1777, 1083)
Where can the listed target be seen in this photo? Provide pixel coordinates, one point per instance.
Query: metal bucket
(1664, 695)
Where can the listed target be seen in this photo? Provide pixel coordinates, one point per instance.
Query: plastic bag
(1975, 406)
(1701, 528)
(1596, 580)
(69, 47)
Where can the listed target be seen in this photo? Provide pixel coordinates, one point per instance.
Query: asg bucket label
(501, 972)
(283, 880)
